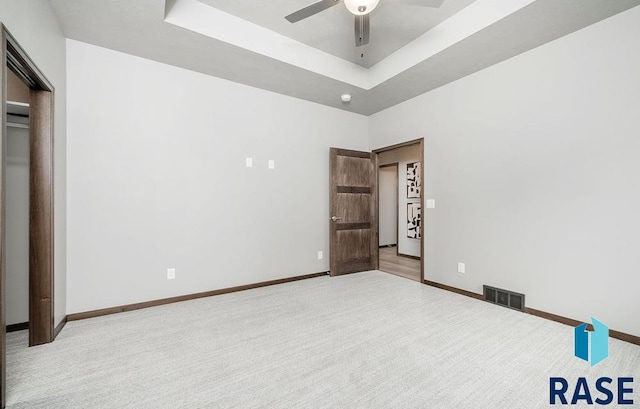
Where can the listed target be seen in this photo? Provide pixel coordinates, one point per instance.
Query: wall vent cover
(505, 298)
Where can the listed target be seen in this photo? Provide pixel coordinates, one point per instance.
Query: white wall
(534, 166)
(388, 205)
(403, 156)
(157, 179)
(34, 25)
(17, 224)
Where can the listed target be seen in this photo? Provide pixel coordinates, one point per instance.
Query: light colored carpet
(367, 340)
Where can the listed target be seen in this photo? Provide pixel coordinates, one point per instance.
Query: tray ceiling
(392, 25)
(413, 49)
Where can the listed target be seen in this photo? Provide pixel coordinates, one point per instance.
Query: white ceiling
(393, 25)
(412, 50)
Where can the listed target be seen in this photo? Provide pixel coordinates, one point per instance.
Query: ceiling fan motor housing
(361, 7)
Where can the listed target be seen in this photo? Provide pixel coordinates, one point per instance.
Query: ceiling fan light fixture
(361, 7)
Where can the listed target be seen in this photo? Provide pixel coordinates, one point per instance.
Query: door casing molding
(419, 142)
(41, 197)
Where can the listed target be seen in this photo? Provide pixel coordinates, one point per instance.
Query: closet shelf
(17, 108)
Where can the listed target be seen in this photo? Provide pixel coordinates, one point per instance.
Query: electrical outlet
(272, 164)
(461, 268)
(171, 274)
(249, 162)
(320, 255)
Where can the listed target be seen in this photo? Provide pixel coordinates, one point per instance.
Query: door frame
(419, 142)
(41, 197)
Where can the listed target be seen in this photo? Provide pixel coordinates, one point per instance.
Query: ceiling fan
(359, 8)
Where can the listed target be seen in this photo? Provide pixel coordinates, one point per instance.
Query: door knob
(335, 219)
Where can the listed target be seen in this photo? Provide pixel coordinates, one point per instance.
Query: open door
(353, 206)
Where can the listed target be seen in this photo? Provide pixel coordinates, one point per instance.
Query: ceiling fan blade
(309, 11)
(362, 30)
(420, 3)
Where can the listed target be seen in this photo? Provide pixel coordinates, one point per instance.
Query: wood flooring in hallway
(401, 266)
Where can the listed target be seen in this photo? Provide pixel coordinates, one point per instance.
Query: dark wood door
(353, 206)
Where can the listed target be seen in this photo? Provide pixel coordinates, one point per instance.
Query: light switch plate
(431, 203)
(320, 255)
(272, 164)
(249, 162)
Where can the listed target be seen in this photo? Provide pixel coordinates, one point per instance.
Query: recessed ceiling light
(346, 98)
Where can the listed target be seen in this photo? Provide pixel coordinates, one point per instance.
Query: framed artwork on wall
(414, 220)
(414, 184)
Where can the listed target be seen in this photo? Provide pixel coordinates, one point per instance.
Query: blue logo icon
(599, 342)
